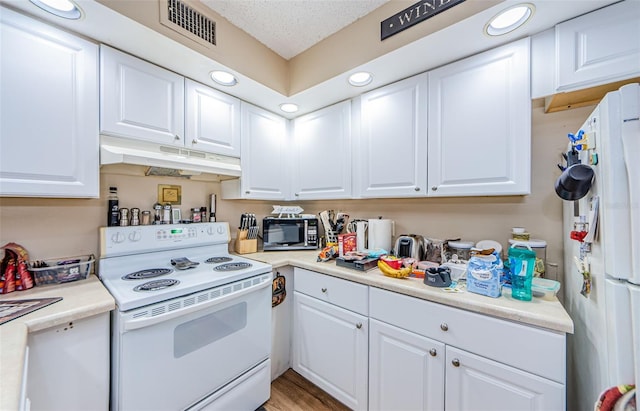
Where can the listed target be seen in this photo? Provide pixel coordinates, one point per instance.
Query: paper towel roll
(380, 234)
(361, 235)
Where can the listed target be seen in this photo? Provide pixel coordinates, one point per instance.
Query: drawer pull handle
(444, 327)
(359, 326)
(177, 137)
(433, 352)
(455, 362)
(324, 290)
(194, 141)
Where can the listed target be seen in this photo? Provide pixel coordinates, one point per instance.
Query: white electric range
(192, 329)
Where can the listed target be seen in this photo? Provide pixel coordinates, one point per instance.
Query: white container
(540, 248)
(461, 249)
(544, 288)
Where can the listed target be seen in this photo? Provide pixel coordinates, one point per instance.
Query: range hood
(115, 150)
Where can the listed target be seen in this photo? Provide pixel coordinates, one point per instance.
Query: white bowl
(487, 244)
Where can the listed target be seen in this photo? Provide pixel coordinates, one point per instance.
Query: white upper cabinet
(480, 124)
(392, 143)
(264, 157)
(49, 117)
(140, 100)
(599, 47)
(321, 158)
(212, 120)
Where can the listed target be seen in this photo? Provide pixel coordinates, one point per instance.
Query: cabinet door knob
(247, 192)
(297, 194)
(444, 327)
(194, 141)
(177, 137)
(455, 362)
(433, 352)
(359, 326)
(324, 290)
(417, 189)
(434, 188)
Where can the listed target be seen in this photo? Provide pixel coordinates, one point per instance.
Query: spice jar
(157, 213)
(196, 217)
(166, 214)
(146, 217)
(124, 217)
(135, 216)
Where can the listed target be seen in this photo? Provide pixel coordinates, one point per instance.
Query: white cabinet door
(265, 154)
(393, 140)
(406, 370)
(69, 366)
(49, 142)
(599, 47)
(330, 347)
(212, 122)
(322, 154)
(480, 124)
(476, 383)
(140, 100)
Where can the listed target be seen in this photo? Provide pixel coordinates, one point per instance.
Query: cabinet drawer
(529, 348)
(343, 293)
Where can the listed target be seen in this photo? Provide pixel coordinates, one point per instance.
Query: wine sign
(415, 14)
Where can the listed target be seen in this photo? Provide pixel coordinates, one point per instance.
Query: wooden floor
(292, 392)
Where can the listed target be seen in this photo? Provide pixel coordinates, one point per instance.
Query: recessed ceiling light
(223, 78)
(289, 107)
(509, 19)
(361, 78)
(61, 8)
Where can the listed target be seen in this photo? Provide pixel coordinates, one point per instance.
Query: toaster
(410, 245)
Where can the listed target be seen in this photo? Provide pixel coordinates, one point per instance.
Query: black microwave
(289, 233)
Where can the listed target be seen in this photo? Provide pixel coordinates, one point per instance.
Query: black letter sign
(413, 15)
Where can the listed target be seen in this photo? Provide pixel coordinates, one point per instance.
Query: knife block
(244, 245)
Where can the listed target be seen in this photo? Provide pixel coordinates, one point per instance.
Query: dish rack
(61, 270)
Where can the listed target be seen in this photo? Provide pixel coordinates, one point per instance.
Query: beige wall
(63, 227)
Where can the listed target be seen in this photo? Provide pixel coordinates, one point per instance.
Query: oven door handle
(134, 324)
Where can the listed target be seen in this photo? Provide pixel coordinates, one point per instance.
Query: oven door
(170, 355)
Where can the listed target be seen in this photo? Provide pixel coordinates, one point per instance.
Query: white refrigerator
(604, 350)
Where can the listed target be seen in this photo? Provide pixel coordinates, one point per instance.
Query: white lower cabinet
(330, 343)
(420, 355)
(477, 383)
(450, 359)
(68, 366)
(406, 370)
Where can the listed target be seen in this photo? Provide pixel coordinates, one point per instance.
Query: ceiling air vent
(184, 19)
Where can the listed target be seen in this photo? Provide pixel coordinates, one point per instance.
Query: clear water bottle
(113, 207)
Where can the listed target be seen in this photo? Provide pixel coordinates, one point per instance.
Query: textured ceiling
(289, 27)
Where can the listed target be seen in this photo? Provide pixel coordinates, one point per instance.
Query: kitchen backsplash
(51, 228)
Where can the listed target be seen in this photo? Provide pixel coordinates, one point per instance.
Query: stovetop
(155, 270)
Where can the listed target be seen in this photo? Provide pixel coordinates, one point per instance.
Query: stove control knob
(135, 236)
(117, 237)
(220, 229)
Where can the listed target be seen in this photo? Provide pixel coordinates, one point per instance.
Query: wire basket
(61, 270)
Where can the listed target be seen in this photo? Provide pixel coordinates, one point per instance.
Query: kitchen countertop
(537, 312)
(80, 299)
(86, 298)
